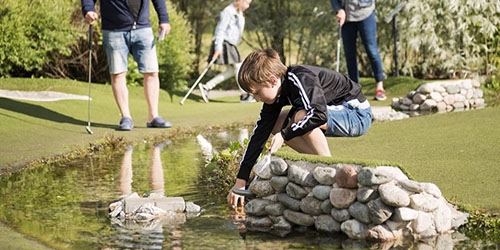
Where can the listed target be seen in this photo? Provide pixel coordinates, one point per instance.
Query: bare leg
(152, 92)
(156, 178)
(126, 173)
(313, 142)
(120, 91)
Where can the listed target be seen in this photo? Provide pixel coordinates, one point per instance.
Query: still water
(66, 207)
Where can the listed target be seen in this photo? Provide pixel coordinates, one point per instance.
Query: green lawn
(457, 151)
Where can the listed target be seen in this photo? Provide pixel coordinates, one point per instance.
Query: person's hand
(232, 198)
(91, 17)
(216, 54)
(276, 142)
(164, 27)
(340, 16)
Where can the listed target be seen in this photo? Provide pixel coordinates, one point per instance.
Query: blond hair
(258, 67)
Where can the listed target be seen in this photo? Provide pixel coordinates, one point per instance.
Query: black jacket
(307, 88)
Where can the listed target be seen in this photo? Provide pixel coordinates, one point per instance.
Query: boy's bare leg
(152, 93)
(313, 142)
(120, 91)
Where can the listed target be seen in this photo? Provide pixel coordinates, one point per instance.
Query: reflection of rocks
(135, 209)
(377, 204)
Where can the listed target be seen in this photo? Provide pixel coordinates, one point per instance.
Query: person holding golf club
(126, 29)
(356, 16)
(323, 103)
(227, 36)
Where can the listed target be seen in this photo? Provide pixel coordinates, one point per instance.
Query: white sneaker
(204, 92)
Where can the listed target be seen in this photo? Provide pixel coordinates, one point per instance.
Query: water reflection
(66, 206)
(146, 233)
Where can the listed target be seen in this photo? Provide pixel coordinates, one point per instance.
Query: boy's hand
(276, 142)
(232, 198)
(340, 16)
(216, 54)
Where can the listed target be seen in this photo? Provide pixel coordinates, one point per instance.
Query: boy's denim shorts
(140, 43)
(350, 119)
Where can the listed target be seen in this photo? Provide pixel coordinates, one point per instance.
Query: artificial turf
(458, 151)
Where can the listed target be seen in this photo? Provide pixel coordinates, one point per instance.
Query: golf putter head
(89, 130)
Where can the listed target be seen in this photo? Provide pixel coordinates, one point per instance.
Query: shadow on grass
(43, 113)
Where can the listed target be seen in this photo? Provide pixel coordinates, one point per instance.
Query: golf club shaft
(338, 48)
(197, 81)
(91, 31)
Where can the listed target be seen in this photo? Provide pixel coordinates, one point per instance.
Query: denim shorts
(350, 119)
(140, 43)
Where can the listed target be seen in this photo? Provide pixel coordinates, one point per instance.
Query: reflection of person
(227, 36)
(137, 233)
(126, 29)
(359, 16)
(156, 179)
(324, 103)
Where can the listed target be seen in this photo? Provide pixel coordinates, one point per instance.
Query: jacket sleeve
(263, 128)
(313, 101)
(336, 5)
(87, 5)
(220, 29)
(161, 9)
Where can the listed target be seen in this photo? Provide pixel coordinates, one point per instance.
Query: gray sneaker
(126, 124)
(204, 92)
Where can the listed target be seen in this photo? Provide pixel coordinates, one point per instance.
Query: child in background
(226, 37)
(324, 103)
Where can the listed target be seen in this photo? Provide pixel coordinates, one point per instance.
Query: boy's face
(267, 93)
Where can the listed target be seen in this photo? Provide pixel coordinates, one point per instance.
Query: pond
(66, 207)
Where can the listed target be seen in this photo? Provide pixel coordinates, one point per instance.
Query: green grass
(457, 151)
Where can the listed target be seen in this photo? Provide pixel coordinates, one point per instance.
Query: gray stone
(442, 217)
(379, 212)
(261, 188)
(394, 173)
(425, 88)
(380, 233)
(404, 214)
(322, 192)
(278, 166)
(301, 176)
(452, 88)
(369, 176)
(354, 229)
(256, 207)
(295, 191)
(298, 218)
(422, 223)
(282, 225)
(423, 202)
(324, 175)
(411, 186)
(436, 96)
(259, 224)
(366, 194)
(342, 197)
(275, 209)
(419, 98)
(393, 195)
(311, 205)
(360, 212)
(279, 183)
(289, 202)
(428, 104)
(340, 214)
(326, 206)
(325, 223)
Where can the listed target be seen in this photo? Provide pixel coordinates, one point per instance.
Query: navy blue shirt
(117, 16)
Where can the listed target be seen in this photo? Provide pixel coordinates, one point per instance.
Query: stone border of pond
(374, 203)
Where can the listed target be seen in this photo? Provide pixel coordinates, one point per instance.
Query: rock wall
(442, 96)
(367, 203)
